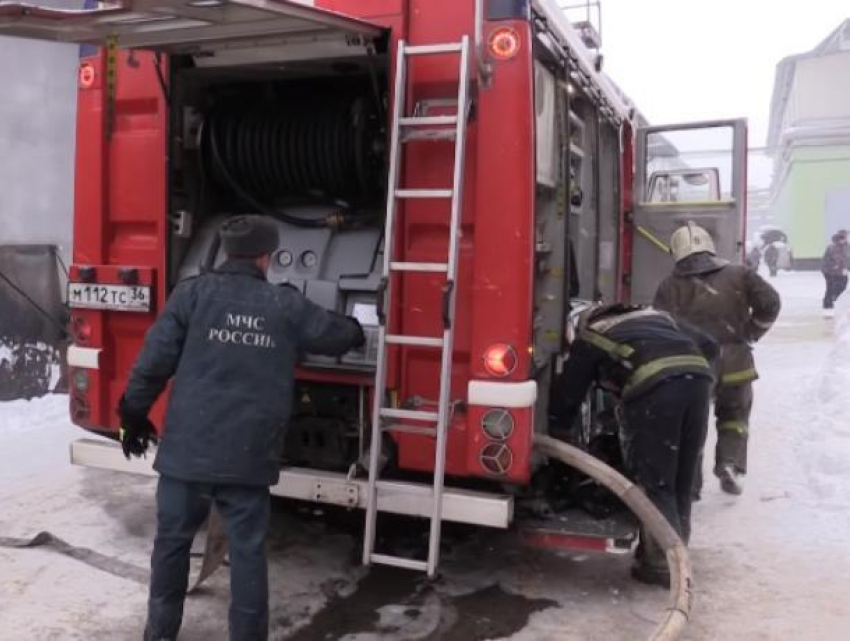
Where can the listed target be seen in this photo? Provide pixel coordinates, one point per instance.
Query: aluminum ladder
(436, 424)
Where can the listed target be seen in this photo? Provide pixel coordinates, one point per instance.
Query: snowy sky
(684, 60)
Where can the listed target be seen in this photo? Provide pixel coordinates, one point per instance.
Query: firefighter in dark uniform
(661, 372)
(229, 341)
(736, 307)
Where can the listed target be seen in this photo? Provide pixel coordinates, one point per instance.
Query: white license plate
(126, 298)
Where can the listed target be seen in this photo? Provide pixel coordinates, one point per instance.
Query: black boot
(729, 480)
(651, 575)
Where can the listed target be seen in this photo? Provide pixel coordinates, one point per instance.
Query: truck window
(689, 166)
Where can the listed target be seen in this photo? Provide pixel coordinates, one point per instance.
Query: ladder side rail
(381, 361)
(444, 409)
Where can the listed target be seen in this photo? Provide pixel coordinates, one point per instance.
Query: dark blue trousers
(182, 508)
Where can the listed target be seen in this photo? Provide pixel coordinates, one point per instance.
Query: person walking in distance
(736, 307)
(836, 262)
(660, 371)
(771, 259)
(229, 341)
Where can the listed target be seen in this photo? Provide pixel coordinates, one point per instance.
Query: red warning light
(87, 75)
(500, 360)
(504, 43)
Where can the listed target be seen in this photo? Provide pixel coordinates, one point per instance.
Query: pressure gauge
(284, 258)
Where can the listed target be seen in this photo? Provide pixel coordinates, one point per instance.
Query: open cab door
(688, 172)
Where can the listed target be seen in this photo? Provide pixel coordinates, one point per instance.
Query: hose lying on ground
(679, 607)
(214, 553)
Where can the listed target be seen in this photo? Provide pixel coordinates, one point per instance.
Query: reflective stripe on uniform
(742, 427)
(652, 368)
(608, 346)
(743, 376)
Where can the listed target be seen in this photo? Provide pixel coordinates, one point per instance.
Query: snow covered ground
(772, 564)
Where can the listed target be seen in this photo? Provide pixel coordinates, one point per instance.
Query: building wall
(818, 93)
(814, 177)
(37, 132)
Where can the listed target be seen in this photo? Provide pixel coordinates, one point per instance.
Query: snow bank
(37, 415)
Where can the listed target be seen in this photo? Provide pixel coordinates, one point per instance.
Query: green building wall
(799, 205)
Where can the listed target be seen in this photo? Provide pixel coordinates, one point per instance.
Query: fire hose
(654, 523)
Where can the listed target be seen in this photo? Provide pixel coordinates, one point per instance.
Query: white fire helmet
(690, 239)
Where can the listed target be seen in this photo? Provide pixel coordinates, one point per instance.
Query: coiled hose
(679, 606)
(326, 148)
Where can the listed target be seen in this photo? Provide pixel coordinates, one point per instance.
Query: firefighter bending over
(736, 307)
(661, 372)
(230, 340)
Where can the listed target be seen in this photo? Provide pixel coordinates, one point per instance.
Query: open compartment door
(187, 26)
(688, 172)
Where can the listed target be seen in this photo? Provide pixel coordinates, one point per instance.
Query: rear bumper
(330, 488)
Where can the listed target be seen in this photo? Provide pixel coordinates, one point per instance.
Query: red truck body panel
(122, 219)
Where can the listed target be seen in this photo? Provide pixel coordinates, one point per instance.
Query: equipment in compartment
(296, 146)
(335, 268)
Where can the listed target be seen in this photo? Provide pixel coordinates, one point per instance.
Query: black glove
(136, 433)
(360, 337)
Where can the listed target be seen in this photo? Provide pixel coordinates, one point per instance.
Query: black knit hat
(249, 236)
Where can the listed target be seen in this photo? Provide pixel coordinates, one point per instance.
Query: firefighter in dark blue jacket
(229, 341)
(661, 372)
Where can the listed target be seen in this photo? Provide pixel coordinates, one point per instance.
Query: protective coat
(230, 340)
(732, 303)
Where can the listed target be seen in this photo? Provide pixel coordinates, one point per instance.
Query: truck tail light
(500, 360)
(496, 458)
(504, 43)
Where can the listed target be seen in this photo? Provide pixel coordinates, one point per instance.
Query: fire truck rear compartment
(304, 144)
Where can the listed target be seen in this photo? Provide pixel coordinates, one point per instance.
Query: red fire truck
(455, 174)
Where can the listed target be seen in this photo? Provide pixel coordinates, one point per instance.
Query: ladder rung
(409, 415)
(424, 121)
(417, 430)
(414, 341)
(435, 268)
(428, 50)
(424, 193)
(428, 134)
(398, 562)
